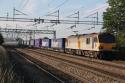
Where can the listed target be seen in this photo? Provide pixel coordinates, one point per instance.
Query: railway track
(54, 63)
(118, 70)
(42, 69)
(117, 64)
(93, 71)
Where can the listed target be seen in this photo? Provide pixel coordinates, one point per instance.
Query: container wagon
(58, 44)
(38, 43)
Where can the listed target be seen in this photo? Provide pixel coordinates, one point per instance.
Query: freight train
(95, 45)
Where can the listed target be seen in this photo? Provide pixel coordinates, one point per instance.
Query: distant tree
(1, 39)
(114, 20)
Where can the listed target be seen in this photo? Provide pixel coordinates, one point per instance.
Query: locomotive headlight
(100, 47)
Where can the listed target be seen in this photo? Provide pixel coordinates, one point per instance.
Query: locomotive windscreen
(106, 38)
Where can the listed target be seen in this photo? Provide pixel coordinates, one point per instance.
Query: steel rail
(52, 58)
(110, 74)
(121, 66)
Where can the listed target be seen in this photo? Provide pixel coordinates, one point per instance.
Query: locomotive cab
(106, 41)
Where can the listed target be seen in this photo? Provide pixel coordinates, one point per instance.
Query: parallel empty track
(51, 77)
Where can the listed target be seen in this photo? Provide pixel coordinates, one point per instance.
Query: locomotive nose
(106, 46)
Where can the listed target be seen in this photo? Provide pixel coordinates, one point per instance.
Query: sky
(41, 8)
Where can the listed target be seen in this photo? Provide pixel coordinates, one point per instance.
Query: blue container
(46, 43)
(38, 43)
(58, 43)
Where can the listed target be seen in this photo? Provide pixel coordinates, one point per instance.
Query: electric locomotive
(97, 45)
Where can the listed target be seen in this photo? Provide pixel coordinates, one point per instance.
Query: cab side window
(95, 39)
(87, 40)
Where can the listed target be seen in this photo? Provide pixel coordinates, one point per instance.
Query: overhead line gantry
(39, 20)
(27, 31)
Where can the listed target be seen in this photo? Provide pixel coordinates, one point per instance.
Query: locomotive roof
(84, 34)
(90, 34)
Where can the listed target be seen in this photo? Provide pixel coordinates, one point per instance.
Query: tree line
(114, 20)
